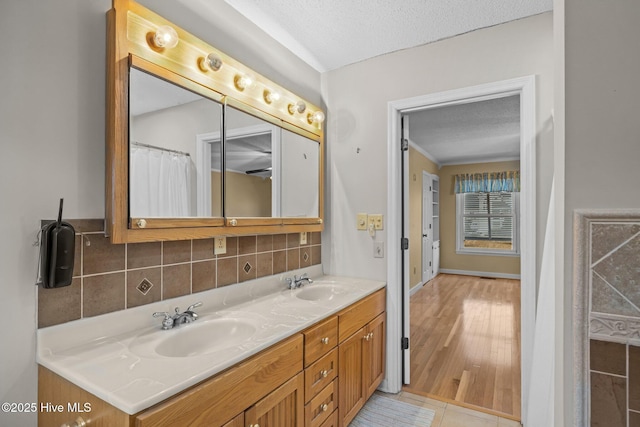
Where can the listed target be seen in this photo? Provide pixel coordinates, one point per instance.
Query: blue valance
(488, 182)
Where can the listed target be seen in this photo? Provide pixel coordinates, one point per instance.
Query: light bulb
(298, 107)
(165, 37)
(212, 62)
(270, 97)
(317, 117)
(242, 82)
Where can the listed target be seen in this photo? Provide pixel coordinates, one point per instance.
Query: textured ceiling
(330, 34)
(475, 132)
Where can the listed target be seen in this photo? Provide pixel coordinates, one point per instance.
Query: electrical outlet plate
(362, 221)
(220, 245)
(303, 237)
(377, 220)
(378, 249)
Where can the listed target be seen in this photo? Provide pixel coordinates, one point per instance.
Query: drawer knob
(254, 425)
(368, 336)
(324, 373)
(325, 407)
(141, 223)
(325, 340)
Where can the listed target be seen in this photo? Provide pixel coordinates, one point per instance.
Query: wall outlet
(361, 221)
(303, 237)
(220, 245)
(378, 249)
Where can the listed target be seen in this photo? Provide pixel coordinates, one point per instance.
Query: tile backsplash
(607, 293)
(109, 277)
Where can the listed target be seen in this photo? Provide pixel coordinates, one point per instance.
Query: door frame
(427, 212)
(398, 292)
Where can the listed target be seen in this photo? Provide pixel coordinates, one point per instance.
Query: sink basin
(321, 292)
(194, 339)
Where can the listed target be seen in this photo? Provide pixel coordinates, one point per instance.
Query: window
(487, 223)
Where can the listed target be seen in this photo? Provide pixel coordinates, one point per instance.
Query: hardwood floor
(465, 342)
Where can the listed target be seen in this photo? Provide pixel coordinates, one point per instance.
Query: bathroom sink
(194, 339)
(321, 292)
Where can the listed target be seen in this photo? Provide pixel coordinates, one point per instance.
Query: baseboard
(416, 288)
(480, 274)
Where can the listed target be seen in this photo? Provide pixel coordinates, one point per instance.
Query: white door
(427, 227)
(406, 332)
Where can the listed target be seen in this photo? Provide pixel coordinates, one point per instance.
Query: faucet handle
(167, 322)
(192, 306)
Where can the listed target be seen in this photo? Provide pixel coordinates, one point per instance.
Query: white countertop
(101, 354)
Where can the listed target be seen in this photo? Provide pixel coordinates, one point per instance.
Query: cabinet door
(373, 353)
(351, 389)
(236, 422)
(284, 407)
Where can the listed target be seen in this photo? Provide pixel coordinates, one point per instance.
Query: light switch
(362, 221)
(378, 222)
(303, 237)
(378, 249)
(220, 245)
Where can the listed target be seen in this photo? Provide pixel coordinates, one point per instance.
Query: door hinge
(405, 343)
(405, 144)
(429, 263)
(404, 243)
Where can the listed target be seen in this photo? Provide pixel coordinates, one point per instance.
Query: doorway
(398, 270)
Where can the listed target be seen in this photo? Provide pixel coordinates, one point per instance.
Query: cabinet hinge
(404, 243)
(405, 343)
(405, 144)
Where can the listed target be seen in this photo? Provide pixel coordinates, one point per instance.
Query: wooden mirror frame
(130, 30)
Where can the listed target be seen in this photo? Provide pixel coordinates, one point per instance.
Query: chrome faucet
(178, 318)
(298, 282)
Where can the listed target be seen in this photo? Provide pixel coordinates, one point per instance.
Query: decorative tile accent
(614, 328)
(144, 287)
(247, 268)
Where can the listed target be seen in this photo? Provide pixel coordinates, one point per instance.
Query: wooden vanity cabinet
(361, 355)
(343, 360)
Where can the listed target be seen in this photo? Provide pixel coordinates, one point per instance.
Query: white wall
(52, 109)
(357, 98)
(602, 140)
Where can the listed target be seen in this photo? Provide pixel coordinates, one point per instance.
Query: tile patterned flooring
(448, 415)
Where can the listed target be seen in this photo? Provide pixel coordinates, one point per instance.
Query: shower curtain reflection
(159, 183)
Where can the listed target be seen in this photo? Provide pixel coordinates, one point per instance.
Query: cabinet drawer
(361, 313)
(321, 373)
(332, 421)
(319, 339)
(321, 407)
(218, 400)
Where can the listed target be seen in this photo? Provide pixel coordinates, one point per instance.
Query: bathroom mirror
(199, 148)
(166, 156)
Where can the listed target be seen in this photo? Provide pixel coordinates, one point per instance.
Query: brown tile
(293, 259)
(279, 242)
(103, 294)
(136, 297)
(293, 240)
(59, 305)
(87, 225)
(316, 255)
(316, 238)
(634, 378)
(203, 275)
(305, 256)
(265, 243)
(202, 249)
(100, 256)
(176, 280)
(247, 245)
(634, 419)
(77, 256)
(265, 264)
(608, 357)
(175, 252)
(608, 401)
(247, 267)
(232, 248)
(279, 262)
(141, 255)
(227, 271)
